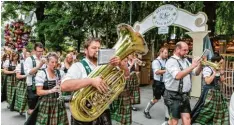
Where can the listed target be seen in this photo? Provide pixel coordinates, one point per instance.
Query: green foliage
(78, 20)
(224, 20)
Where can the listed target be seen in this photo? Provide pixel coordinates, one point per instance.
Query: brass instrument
(141, 63)
(216, 66)
(88, 103)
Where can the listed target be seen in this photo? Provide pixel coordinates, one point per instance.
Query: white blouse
(7, 63)
(41, 77)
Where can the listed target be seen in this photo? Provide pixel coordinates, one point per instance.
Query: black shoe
(134, 108)
(147, 115)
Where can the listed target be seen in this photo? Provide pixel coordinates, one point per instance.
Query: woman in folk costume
(9, 70)
(68, 61)
(50, 109)
(121, 110)
(133, 81)
(211, 107)
(3, 76)
(21, 89)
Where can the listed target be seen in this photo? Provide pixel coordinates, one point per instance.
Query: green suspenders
(86, 66)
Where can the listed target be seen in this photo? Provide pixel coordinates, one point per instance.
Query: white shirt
(18, 68)
(172, 69)
(6, 64)
(156, 66)
(28, 65)
(41, 77)
(77, 71)
(207, 71)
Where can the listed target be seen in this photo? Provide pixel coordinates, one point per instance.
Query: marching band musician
(32, 65)
(178, 84)
(121, 108)
(5, 57)
(21, 89)
(133, 81)
(76, 78)
(68, 61)
(50, 109)
(9, 69)
(158, 67)
(212, 107)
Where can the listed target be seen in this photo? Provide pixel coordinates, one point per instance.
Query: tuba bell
(88, 103)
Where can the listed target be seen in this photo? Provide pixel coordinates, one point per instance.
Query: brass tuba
(88, 104)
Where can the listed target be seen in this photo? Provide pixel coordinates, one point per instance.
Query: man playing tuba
(76, 78)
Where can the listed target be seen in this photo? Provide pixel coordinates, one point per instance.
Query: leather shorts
(177, 103)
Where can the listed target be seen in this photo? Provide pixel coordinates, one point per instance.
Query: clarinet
(60, 98)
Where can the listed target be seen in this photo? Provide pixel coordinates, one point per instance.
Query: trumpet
(216, 66)
(140, 63)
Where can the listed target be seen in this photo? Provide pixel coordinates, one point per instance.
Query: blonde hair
(161, 50)
(51, 54)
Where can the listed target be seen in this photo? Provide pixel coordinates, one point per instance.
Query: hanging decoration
(17, 34)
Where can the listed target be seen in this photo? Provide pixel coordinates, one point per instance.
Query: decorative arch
(167, 15)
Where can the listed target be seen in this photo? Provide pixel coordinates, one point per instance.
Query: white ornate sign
(163, 30)
(169, 15)
(165, 15)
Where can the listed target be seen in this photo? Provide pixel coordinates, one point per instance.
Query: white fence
(227, 87)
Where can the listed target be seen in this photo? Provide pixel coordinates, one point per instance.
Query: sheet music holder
(104, 56)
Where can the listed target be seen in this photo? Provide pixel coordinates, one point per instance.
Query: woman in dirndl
(3, 76)
(133, 81)
(9, 70)
(21, 89)
(212, 107)
(50, 109)
(120, 109)
(68, 61)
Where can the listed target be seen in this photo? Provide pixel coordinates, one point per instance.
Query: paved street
(157, 111)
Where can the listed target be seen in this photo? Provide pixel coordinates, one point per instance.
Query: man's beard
(182, 57)
(94, 58)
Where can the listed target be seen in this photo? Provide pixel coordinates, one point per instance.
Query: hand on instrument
(99, 84)
(196, 62)
(115, 61)
(54, 89)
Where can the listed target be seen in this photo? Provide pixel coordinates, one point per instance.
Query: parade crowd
(38, 84)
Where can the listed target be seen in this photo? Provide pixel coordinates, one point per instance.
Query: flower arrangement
(17, 34)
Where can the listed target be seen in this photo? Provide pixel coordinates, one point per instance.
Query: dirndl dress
(134, 88)
(49, 110)
(212, 107)
(120, 108)
(21, 91)
(11, 85)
